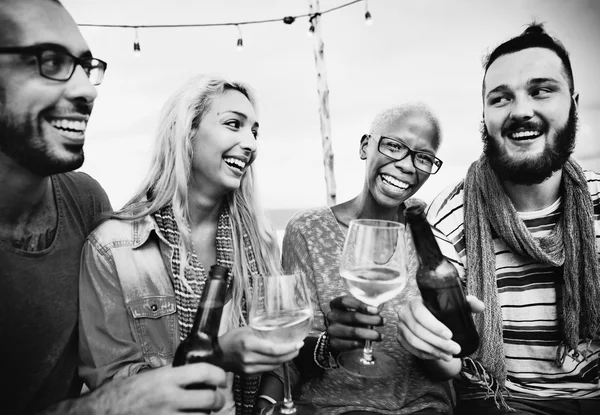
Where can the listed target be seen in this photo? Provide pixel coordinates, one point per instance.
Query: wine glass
(282, 312)
(373, 265)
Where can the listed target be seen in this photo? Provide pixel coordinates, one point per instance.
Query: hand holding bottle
(423, 335)
(162, 391)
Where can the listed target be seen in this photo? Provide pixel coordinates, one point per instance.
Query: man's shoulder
(84, 188)
(593, 181)
(80, 180)
(449, 202)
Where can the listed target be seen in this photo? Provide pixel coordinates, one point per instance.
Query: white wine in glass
(373, 265)
(281, 311)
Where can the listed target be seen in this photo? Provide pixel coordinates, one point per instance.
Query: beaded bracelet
(322, 354)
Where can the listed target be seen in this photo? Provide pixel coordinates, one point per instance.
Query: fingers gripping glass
(397, 150)
(56, 63)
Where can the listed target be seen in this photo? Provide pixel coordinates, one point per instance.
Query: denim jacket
(127, 312)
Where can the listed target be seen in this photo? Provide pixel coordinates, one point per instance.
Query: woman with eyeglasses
(400, 155)
(143, 270)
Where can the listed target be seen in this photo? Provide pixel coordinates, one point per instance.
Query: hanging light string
(287, 20)
(240, 42)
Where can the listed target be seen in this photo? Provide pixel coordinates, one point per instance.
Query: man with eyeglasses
(523, 229)
(47, 92)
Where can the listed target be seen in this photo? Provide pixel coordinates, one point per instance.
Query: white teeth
(394, 182)
(525, 134)
(63, 124)
(235, 162)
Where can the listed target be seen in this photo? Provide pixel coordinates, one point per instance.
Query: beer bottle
(201, 344)
(440, 284)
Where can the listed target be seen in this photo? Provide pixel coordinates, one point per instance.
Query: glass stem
(367, 357)
(288, 403)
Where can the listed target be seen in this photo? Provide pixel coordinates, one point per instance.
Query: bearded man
(48, 80)
(521, 228)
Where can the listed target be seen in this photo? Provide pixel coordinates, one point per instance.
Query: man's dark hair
(533, 37)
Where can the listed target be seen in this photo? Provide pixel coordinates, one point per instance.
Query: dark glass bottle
(440, 284)
(201, 344)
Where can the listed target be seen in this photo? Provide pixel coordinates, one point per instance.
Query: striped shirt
(529, 294)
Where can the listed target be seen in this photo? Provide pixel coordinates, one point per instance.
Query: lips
(236, 163)
(524, 134)
(72, 127)
(392, 181)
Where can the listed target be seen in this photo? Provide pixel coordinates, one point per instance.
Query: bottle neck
(210, 308)
(427, 248)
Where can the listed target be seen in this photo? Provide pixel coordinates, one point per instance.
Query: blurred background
(426, 50)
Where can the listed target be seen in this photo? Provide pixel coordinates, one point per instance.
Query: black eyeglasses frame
(87, 63)
(436, 166)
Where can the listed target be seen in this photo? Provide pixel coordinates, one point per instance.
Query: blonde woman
(143, 270)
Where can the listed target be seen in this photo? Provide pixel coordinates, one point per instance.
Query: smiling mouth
(525, 135)
(392, 181)
(235, 163)
(69, 128)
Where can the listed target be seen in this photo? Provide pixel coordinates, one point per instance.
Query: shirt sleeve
(107, 348)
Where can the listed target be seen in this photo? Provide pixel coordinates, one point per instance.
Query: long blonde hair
(168, 178)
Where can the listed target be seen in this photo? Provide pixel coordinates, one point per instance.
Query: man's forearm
(102, 401)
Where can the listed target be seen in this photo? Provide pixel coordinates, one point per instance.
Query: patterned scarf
(571, 245)
(189, 285)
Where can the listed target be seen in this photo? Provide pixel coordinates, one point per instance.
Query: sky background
(426, 50)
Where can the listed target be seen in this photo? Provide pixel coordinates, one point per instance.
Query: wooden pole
(323, 92)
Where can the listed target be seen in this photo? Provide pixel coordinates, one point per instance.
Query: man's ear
(364, 142)
(576, 100)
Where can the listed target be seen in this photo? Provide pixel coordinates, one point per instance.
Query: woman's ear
(364, 142)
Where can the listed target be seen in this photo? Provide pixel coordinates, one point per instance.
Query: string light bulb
(137, 51)
(368, 18)
(240, 41)
(311, 29)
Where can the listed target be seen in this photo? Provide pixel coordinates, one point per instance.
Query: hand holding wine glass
(373, 265)
(282, 312)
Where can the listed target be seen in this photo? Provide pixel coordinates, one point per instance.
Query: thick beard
(18, 141)
(532, 171)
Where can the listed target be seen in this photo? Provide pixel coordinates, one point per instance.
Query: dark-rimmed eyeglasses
(56, 63)
(397, 150)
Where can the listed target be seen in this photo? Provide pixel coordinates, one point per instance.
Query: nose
(248, 142)
(406, 163)
(79, 87)
(522, 108)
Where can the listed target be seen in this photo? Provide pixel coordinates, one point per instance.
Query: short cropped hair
(385, 118)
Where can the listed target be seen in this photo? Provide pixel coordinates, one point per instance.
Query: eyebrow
(242, 115)
(56, 46)
(537, 81)
(418, 150)
(498, 89)
(533, 81)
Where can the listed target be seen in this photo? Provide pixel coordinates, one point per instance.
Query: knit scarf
(189, 284)
(571, 245)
